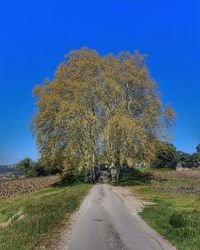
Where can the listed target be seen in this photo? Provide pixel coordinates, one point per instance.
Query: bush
(177, 220)
(166, 156)
(34, 169)
(135, 176)
(31, 173)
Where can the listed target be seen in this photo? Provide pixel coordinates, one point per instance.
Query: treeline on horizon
(167, 157)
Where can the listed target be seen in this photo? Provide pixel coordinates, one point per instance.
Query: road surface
(104, 223)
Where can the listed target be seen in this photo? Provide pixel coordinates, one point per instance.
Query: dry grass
(173, 174)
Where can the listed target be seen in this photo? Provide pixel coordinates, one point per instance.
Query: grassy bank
(175, 213)
(36, 217)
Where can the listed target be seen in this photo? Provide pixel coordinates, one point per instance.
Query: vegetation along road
(32, 221)
(104, 222)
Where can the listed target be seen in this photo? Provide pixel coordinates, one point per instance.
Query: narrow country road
(104, 223)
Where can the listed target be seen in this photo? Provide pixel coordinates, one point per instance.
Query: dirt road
(108, 220)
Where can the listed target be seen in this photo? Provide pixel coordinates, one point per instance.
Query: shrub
(177, 220)
(165, 156)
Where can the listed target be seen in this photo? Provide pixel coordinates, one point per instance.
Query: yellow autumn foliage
(99, 107)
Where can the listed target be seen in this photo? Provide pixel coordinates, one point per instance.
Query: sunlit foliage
(99, 107)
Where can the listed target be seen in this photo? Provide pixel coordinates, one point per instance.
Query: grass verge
(175, 215)
(35, 217)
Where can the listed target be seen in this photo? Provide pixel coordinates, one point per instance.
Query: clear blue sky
(35, 35)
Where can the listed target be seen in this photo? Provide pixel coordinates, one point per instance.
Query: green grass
(139, 176)
(174, 215)
(161, 214)
(44, 214)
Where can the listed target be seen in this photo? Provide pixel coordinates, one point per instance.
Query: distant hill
(10, 170)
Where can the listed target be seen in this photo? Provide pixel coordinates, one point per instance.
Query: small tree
(30, 168)
(188, 160)
(195, 159)
(166, 156)
(25, 164)
(198, 148)
(185, 158)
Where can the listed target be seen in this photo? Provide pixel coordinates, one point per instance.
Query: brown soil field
(10, 188)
